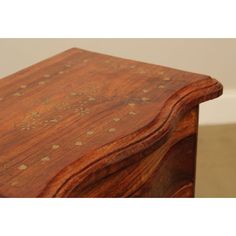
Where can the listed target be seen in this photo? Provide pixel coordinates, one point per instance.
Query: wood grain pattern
(80, 116)
(158, 174)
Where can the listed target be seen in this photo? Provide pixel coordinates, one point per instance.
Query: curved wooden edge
(113, 156)
(185, 191)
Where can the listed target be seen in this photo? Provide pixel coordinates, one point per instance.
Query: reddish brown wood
(159, 174)
(79, 119)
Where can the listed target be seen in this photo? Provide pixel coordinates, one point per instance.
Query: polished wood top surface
(80, 111)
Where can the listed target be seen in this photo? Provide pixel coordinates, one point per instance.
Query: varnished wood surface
(81, 116)
(166, 171)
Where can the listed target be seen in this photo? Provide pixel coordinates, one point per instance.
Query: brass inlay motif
(46, 76)
(23, 167)
(145, 99)
(90, 132)
(91, 99)
(17, 94)
(34, 114)
(46, 158)
(41, 82)
(167, 78)
(55, 146)
(23, 86)
(161, 86)
(131, 104)
(112, 130)
(73, 93)
(54, 120)
(116, 119)
(78, 143)
(132, 113)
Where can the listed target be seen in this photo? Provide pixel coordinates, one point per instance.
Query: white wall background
(215, 57)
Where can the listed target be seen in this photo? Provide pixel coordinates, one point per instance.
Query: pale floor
(216, 161)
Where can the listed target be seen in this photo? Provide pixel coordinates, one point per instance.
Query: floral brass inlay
(34, 118)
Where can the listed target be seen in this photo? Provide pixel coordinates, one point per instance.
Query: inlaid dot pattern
(83, 110)
(90, 132)
(45, 159)
(145, 99)
(42, 82)
(116, 119)
(23, 167)
(17, 94)
(131, 104)
(73, 93)
(78, 143)
(91, 99)
(55, 146)
(111, 130)
(46, 75)
(166, 78)
(132, 113)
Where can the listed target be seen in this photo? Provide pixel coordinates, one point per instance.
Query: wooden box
(83, 124)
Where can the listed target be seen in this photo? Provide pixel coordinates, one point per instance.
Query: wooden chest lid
(79, 112)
